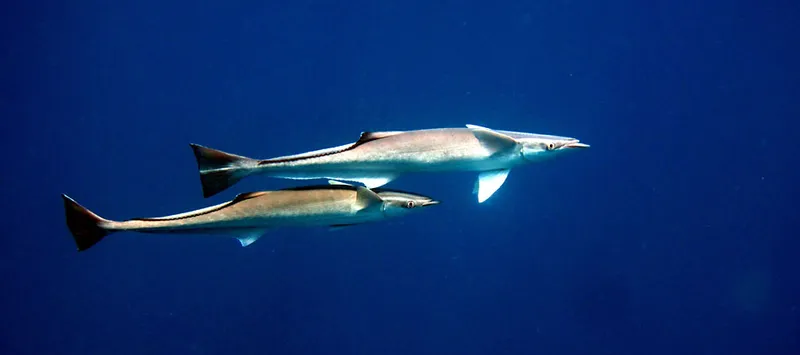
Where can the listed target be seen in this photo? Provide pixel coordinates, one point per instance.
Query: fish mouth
(576, 144)
(430, 203)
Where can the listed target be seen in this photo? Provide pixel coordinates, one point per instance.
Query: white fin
(367, 199)
(249, 237)
(369, 182)
(372, 182)
(489, 182)
(494, 141)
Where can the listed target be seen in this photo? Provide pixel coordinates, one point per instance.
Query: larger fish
(380, 157)
(250, 215)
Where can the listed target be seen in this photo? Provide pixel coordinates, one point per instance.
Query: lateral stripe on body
(365, 137)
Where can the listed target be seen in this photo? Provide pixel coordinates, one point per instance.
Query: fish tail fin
(219, 170)
(86, 227)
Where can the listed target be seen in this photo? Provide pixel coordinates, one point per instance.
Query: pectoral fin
(367, 199)
(489, 182)
(495, 142)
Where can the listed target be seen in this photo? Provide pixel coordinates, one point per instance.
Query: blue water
(676, 233)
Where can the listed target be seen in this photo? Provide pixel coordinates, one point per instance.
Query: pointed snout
(430, 203)
(576, 144)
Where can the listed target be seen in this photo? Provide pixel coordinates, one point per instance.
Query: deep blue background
(677, 232)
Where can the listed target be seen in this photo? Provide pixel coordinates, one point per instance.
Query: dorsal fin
(239, 198)
(247, 195)
(371, 136)
(364, 138)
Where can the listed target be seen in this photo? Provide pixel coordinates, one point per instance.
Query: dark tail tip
(215, 182)
(84, 225)
(218, 170)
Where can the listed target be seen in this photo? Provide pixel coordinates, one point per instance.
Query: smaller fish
(248, 216)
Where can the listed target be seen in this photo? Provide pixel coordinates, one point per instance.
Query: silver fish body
(250, 215)
(433, 150)
(380, 157)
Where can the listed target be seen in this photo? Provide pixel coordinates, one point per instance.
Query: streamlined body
(250, 215)
(380, 157)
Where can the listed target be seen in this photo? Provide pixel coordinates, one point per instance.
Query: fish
(250, 215)
(378, 158)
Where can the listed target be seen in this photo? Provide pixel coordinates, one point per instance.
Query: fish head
(541, 146)
(398, 203)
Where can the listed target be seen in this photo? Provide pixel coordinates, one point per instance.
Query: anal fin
(250, 236)
(375, 181)
(370, 182)
(489, 182)
(339, 183)
(336, 227)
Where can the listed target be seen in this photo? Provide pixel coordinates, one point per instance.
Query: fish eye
(551, 146)
(410, 204)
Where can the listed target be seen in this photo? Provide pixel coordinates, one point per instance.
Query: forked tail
(86, 227)
(220, 170)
